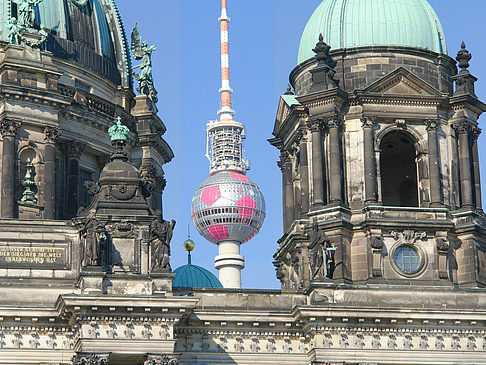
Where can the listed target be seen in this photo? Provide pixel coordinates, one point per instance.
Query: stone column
(8, 129)
(335, 163)
(462, 131)
(285, 165)
(317, 163)
(434, 163)
(371, 195)
(304, 175)
(73, 150)
(51, 135)
(475, 159)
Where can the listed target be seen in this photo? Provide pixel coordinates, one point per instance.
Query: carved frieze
(91, 359)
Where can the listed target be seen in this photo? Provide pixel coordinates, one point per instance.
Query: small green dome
(356, 23)
(192, 276)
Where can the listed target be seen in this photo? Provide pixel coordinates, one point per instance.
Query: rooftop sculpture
(142, 51)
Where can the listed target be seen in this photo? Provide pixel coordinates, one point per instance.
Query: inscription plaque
(34, 257)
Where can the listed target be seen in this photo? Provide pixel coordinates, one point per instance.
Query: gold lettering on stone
(32, 255)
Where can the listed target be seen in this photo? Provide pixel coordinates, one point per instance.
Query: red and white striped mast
(225, 136)
(226, 112)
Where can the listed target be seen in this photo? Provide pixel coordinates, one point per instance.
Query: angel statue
(141, 51)
(26, 12)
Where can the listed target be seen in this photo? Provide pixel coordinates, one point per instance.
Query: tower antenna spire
(226, 112)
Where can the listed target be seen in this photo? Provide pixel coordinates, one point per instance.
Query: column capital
(462, 127)
(336, 121)
(475, 133)
(152, 359)
(52, 134)
(91, 359)
(368, 122)
(316, 125)
(432, 125)
(73, 148)
(9, 128)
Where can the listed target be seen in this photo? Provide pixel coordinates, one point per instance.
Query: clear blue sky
(264, 38)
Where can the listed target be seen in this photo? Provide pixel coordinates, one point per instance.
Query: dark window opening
(399, 170)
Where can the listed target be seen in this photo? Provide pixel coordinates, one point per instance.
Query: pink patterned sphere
(228, 206)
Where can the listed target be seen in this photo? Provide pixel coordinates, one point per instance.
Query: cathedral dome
(87, 32)
(356, 23)
(193, 276)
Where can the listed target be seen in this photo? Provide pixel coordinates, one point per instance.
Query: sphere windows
(407, 259)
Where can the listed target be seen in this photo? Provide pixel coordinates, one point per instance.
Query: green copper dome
(356, 23)
(192, 276)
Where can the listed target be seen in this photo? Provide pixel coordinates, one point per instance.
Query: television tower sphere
(228, 206)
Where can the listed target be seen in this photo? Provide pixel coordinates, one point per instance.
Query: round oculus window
(407, 259)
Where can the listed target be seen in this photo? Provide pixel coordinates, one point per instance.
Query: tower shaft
(225, 136)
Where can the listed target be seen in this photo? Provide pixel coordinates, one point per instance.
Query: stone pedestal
(29, 210)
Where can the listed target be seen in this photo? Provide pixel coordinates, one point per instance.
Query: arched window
(398, 170)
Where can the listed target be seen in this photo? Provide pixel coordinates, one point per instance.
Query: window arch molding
(418, 139)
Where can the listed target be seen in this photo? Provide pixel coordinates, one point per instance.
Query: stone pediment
(403, 82)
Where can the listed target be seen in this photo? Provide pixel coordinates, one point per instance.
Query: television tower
(228, 208)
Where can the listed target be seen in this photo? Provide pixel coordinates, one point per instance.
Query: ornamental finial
(463, 57)
(322, 50)
(118, 131)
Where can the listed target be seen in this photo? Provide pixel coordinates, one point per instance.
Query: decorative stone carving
(368, 122)
(443, 252)
(93, 331)
(407, 342)
(90, 359)
(147, 331)
(408, 237)
(161, 360)
(93, 238)
(122, 192)
(392, 341)
(322, 254)
(239, 344)
(327, 341)
(9, 128)
(376, 342)
(432, 124)
(287, 345)
(424, 342)
(359, 341)
(34, 341)
(439, 343)
(223, 344)
(271, 348)
(17, 340)
(161, 232)
(344, 341)
(456, 343)
(401, 123)
(463, 127)
(123, 229)
(471, 343)
(73, 149)
(377, 245)
(52, 134)
(112, 330)
(92, 186)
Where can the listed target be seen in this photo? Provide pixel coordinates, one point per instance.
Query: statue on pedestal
(92, 236)
(161, 232)
(142, 51)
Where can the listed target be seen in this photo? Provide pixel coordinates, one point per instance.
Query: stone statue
(92, 236)
(26, 12)
(142, 51)
(322, 254)
(161, 232)
(13, 31)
